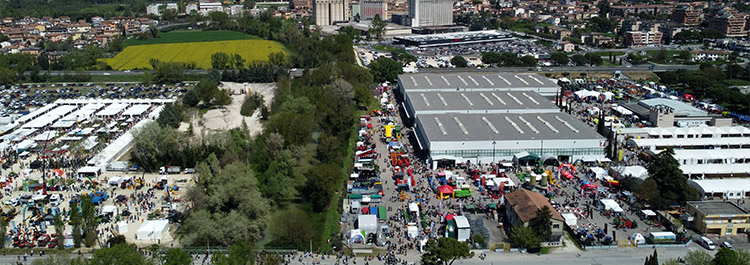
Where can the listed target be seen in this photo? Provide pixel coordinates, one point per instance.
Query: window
(555, 226)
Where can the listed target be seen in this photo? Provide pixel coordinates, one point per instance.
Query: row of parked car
(53, 199)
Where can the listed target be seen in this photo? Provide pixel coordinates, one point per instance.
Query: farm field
(184, 36)
(138, 56)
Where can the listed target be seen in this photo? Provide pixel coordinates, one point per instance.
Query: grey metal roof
(479, 102)
(490, 127)
(475, 81)
(681, 109)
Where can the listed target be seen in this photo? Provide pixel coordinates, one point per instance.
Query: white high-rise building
(326, 12)
(425, 13)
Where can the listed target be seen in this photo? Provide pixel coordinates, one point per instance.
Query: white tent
(122, 227)
(600, 173)
(570, 219)
(633, 171)
(368, 223)
(412, 231)
(610, 204)
(109, 209)
(152, 230)
(638, 239)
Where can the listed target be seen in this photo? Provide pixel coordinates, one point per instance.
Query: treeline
(257, 73)
(75, 9)
(712, 83)
(507, 59)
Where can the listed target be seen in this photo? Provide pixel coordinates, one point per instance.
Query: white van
(707, 243)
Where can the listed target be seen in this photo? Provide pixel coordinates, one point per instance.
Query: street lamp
(493, 151)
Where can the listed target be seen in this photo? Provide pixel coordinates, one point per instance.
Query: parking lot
(19, 98)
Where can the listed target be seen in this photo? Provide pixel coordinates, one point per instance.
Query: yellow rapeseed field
(137, 57)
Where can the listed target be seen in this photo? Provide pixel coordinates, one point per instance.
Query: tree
(76, 221)
(220, 18)
(3, 231)
(377, 27)
(673, 185)
(652, 259)
(230, 208)
(697, 257)
(169, 14)
(459, 61)
(726, 256)
(118, 239)
(239, 253)
(524, 236)
(120, 254)
(171, 115)
(59, 231)
(385, 69)
(277, 58)
(579, 59)
(295, 120)
(560, 58)
(292, 227)
(220, 60)
(528, 60)
(237, 61)
(191, 98)
(88, 214)
(445, 251)
(176, 256)
(542, 223)
(322, 183)
(248, 4)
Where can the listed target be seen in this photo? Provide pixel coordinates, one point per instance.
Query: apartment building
(730, 22)
(638, 38)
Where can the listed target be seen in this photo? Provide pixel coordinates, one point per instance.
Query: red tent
(567, 174)
(445, 189)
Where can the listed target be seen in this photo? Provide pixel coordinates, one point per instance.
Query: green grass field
(138, 56)
(184, 36)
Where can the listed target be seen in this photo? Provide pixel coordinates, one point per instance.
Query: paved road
(599, 257)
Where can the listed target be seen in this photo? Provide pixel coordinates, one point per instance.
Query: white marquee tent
(152, 230)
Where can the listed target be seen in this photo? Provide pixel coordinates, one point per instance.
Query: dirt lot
(225, 118)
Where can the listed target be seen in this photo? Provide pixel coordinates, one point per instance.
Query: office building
(425, 13)
(722, 218)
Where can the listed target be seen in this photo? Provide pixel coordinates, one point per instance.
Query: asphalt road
(637, 68)
(599, 257)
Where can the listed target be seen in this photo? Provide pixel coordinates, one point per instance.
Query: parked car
(707, 243)
(726, 245)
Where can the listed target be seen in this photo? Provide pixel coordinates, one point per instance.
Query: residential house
(708, 55)
(521, 206)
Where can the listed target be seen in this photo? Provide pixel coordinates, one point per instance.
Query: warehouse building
(493, 119)
(483, 82)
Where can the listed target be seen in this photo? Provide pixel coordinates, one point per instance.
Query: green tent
(381, 213)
